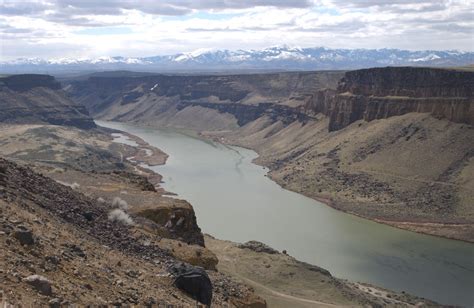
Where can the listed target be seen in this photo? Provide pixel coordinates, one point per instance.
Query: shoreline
(412, 226)
(396, 224)
(406, 225)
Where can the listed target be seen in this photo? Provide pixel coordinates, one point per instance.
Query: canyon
(80, 224)
(227, 189)
(394, 145)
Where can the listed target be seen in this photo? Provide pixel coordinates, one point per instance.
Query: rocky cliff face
(381, 93)
(225, 101)
(408, 81)
(29, 81)
(38, 99)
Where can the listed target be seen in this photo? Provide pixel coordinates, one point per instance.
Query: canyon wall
(227, 102)
(38, 99)
(212, 102)
(381, 93)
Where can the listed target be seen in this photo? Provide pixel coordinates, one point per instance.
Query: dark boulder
(258, 247)
(89, 216)
(24, 236)
(40, 283)
(194, 281)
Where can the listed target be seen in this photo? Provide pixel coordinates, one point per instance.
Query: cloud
(113, 7)
(387, 3)
(8, 7)
(67, 28)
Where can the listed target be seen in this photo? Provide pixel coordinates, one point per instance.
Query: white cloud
(67, 28)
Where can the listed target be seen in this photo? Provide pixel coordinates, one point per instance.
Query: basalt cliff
(381, 93)
(38, 99)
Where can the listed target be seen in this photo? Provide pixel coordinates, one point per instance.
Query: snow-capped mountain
(273, 58)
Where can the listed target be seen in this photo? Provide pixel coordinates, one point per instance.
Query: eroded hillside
(62, 247)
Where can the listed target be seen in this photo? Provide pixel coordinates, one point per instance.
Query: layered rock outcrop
(380, 93)
(248, 113)
(224, 102)
(409, 81)
(38, 99)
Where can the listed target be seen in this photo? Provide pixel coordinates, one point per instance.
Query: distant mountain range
(273, 58)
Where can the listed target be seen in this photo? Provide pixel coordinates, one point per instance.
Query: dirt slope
(286, 282)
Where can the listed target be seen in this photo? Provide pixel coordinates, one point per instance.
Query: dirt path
(273, 292)
(253, 283)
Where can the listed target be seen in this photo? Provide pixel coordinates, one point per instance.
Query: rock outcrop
(21, 183)
(38, 99)
(180, 221)
(258, 247)
(381, 93)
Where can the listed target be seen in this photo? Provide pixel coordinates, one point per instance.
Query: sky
(54, 29)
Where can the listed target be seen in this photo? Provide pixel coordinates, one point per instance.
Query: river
(234, 200)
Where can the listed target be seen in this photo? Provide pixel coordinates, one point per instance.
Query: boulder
(194, 281)
(55, 303)
(24, 236)
(40, 283)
